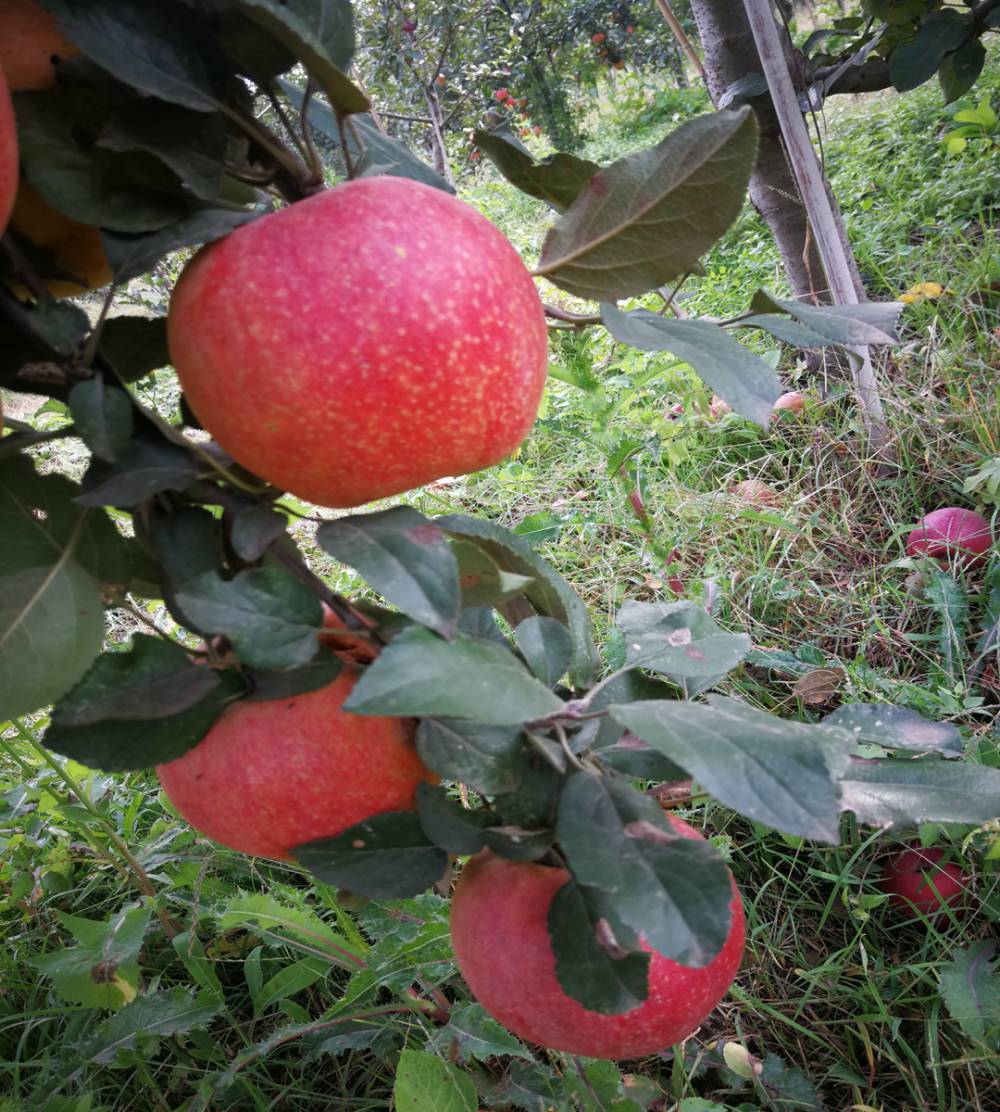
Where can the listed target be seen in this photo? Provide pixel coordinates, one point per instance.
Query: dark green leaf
(271, 618)
(420, 674)
(131, 256)
(320, 672)
(103, 416)
(647, 218)
(557, 180)
(772, 770)
(187, 543)
(40, 523)
(547, 646)
(484, 757)
(738, 376)
(192, 144)
(134, 346)
(591, 964)
(164, 50)
(680, 640)
(970, 988)
(961, 69)
(51, 628)
(475, 1036)
(914, 62)
(320, 33)
(61, 326)
(125, 192)
(905, 792)
(896, 728)
(788, 330)
(549, 593)
(253, 529)
(404, 557)
(149, 1018)
(871, 322)
(145, 468)
(140, 708)
(385, 857)
(447, 823)
(482, 581)
(675, 890)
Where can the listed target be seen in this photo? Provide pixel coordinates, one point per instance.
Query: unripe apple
(362, 342)
(271, 775)
(78, 261)
(30, 43)
(499, 928)
(8, 154)
(916, 882)
(951, 532)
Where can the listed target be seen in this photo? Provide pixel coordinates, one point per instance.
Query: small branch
(348, 163)
(408, 119)
(578, 320)
(679, 34)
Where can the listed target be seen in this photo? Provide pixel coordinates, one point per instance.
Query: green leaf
(131, 256)
(896, 728)
(790, 1086)
(253, 529)
(288, 981)
(970, 988)
(271, 617)
(140, 708)
(741, 378)
(103, 416)
(163, 50)
(41, 523)
(675, 890)
(547, 646)
(134, 346)
(447, 823)
(473, 1035)
(484, 757)
(482, 581)
(647, 218)
(187, 543)
(126, 192)
(871, 322)
(321, 671)
(102, 969)
(591, 964)
(372, 151)
(149, 1018)
(774, 771)
(904, 792)
(420, 674)
(790, 331)
(385, 857)
(916, 61)
(295, 926)
(961, 69)
(557, 180)
(51, 628)
(404, 557)
(145, 468)
(427, 1083)
(680, 640)
(320, 33)
(549, 593)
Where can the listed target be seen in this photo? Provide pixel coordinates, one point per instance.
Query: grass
(834, 984)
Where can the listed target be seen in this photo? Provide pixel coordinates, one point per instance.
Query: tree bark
(731, 54)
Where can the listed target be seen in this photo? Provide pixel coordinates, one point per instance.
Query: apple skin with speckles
(499, 929)
(362, 342)
(271, 775)
(951, 533)
(8, 154)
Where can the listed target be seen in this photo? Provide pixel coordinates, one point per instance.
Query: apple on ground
(362, 342)
(951, 533)
(271, 775)
(499, 928)
(916, 882)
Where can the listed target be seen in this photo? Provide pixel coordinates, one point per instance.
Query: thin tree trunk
(438, 149)
(731, 54)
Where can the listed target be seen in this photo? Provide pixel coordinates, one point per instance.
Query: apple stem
(348, 163)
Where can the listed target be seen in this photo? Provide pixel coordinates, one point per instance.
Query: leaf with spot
(896, 728)
(403, 556)
(647, 218)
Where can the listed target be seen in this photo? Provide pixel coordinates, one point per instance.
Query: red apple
(501, 94)
(30, 43)
(951, 532)
(409, 27)
(271, 775)
(499, 928)
(793, 400)
(598, 37)
(916, 882)
(362, 342)
(8, 154)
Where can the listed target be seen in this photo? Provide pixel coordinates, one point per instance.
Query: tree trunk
(730, 54)
(439, 152)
